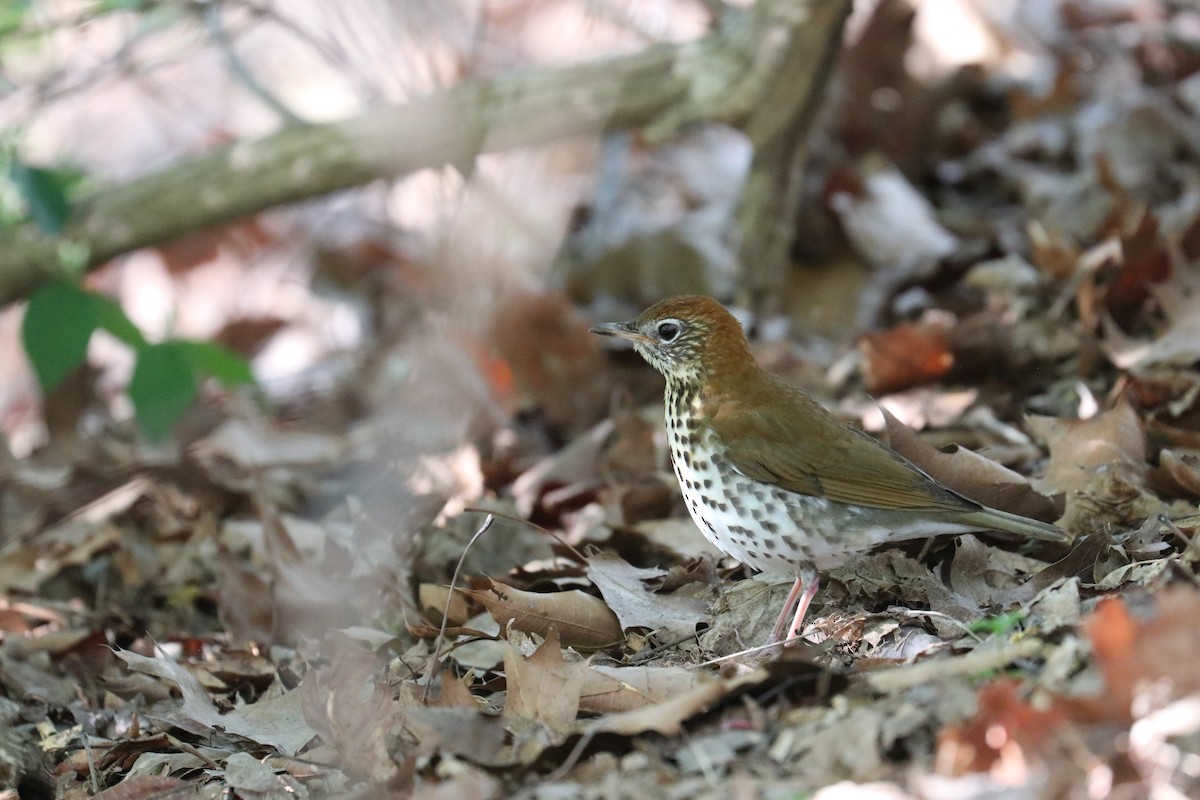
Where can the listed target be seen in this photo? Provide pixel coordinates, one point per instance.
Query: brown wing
(794, 443)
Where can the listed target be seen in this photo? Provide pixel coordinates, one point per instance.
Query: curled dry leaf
(147, 787)
(574, 464)
(1177, 474)
(975, 476)
(581, 620)
(891, 224)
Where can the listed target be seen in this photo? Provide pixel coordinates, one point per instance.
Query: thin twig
(582, 558)
(437, 650)
(224, 43)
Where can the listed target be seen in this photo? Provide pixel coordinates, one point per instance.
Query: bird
(771, 477)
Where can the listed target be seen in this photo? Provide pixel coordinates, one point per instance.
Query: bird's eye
(667, 331)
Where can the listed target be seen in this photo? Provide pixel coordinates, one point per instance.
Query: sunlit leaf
(58, 324)
(110, 317)
(163, 386)
(218, 362)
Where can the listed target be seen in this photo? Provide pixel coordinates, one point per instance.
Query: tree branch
(724, 77)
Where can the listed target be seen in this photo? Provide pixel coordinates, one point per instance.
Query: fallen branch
(724, 77)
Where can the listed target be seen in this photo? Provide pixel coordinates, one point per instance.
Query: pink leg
(788, 605)
(800, 598)
(802, 608)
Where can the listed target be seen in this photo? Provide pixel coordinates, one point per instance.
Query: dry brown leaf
(1179, 343)
(544, 688)
(456, 693)
(74, 542)
(668, 717)
(432, 598)
(1145, 264)
(244, 602)
(353, 711)
(965, 471)
(278, 722)
(1099, 464)
(149, 787)
(1005, 731)
(631, 453)
(891, 224)
(557, 366)
(307, 595)
(608, 690)
(581, 620)
(903, 357)
(464, 732)
(574, 464)
(622, 585)
(468, 783)
(1139, 658)
(1177, 474)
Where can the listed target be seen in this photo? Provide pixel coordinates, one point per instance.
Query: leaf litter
(259, 613)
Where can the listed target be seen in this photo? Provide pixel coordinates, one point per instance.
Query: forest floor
(261, 607)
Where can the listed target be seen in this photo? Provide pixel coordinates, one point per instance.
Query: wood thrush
(772, 478)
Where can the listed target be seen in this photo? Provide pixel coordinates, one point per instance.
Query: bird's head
(690, 337)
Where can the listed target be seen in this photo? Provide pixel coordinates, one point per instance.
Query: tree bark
(779, 131)
(754, 62)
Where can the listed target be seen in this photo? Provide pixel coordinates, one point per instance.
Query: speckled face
(675, 336)
(670, 345)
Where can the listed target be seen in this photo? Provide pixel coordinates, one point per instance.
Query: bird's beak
(621, 330)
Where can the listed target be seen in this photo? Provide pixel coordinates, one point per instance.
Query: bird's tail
(992, 520)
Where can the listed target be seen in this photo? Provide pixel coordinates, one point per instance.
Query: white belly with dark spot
(769, 528)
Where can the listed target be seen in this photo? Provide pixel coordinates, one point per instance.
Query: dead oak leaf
(278, 722)
(1177, 474)
(544, 688)
(624, 589)
(346, 702)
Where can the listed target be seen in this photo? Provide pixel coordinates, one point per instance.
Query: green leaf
(12, 15)
(163, 386)
(45, 192)
(218, 362)
(58, 324)
(1001, 623)
(111, 317)
(120, 5)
